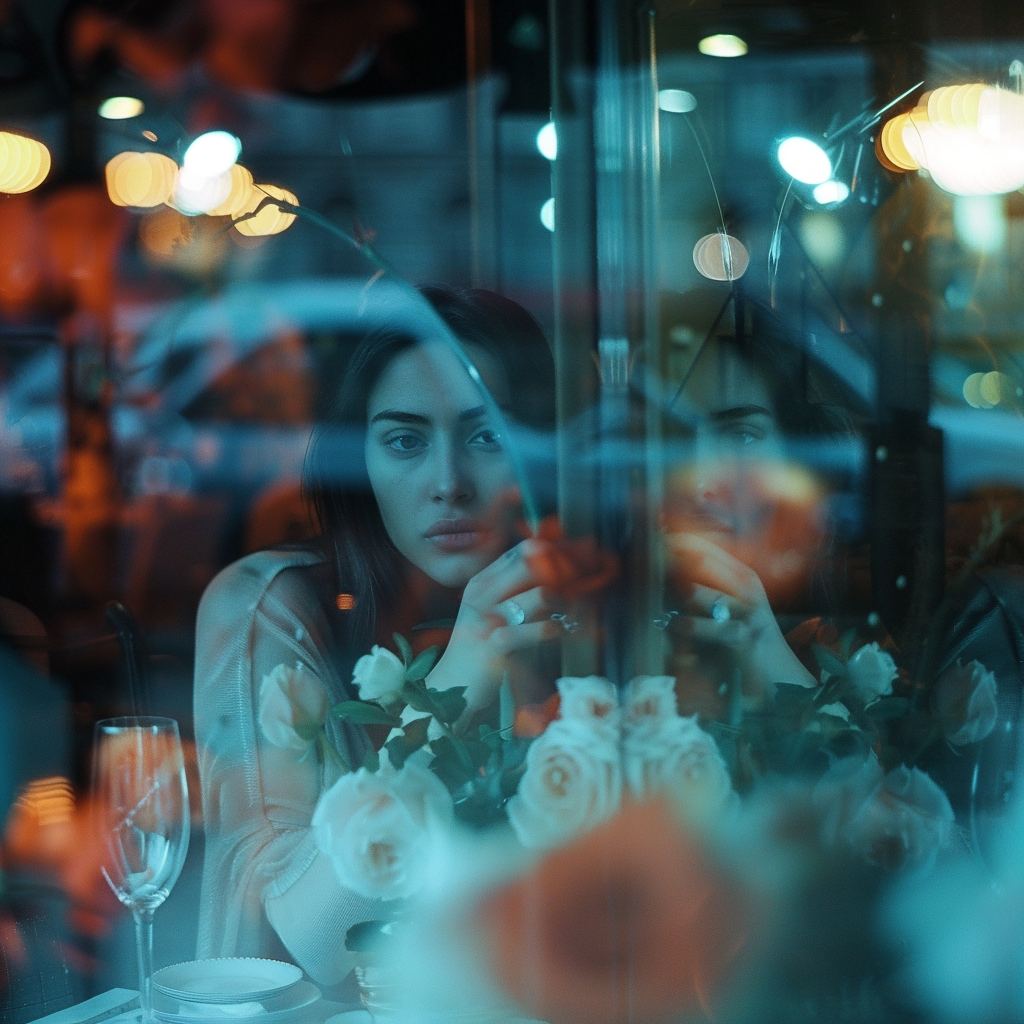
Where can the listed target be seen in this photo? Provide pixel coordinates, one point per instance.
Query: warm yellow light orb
(238, 198)
(141, 180)
(271, 220)
(24, 163)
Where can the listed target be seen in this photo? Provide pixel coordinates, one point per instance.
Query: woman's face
(437, 463)
(735, 436)
(737, 489)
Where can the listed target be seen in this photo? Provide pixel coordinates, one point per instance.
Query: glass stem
(144, 949)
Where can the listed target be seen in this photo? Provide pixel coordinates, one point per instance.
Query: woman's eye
(743, 434)
(404, 444)
(486, 438)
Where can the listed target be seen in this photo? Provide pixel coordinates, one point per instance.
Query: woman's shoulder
(293, 576)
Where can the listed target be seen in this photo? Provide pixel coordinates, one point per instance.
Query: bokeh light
(720, 257)
(547, 141)
(804, 160)
(723, 44)
(676, 101)
(970, 139)
(120, 108)
(212, 154)
(271, 220)
(24, 163)
(141, 180)
(547, 214)
(831, 191)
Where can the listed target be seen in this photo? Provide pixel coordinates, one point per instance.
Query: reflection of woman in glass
(744, 518)
(412, 535)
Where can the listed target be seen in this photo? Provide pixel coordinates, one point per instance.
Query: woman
(413, 536)
(745, 519)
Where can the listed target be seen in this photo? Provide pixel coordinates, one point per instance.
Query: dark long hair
(364, 562)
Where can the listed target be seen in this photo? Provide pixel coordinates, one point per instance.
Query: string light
(141, 180)
(547, 141)
(804, 160)
(970, 139)
(271, 220)
(24, 163)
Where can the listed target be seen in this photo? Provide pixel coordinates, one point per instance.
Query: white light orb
(676, 101)
(212, 154)
(120, 108)
(547, 141)
(804, 160)
(831, 191)
(723, 44)
(547, 214)
(195, 194)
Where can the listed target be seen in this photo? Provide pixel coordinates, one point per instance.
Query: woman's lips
(451, 535)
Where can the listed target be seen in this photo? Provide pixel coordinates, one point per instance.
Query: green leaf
(403, 648)
(423, 663)
(416, 696)
(846, 642)
(448, 765)
(307, 730)
(372, 761)
(364, 713)
(887, 707)
(435, 624)
(792, 698)
(413, 737)
(450, 703)
(828, 661)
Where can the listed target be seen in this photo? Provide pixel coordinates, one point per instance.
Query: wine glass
(140, 799)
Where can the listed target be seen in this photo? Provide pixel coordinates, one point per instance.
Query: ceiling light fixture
(723, 44)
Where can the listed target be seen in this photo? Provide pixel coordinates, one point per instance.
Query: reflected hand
(727, 605)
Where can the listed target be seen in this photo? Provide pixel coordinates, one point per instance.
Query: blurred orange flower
(629, 922)
(570, 567)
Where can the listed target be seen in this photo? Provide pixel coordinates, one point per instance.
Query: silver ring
(720, 610)
(567, 624)
(513, 612)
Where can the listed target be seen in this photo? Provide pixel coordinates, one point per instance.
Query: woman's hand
(728, 606)
(508, 606)
(504, 609)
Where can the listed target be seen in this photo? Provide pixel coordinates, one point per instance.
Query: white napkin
(98, 1008)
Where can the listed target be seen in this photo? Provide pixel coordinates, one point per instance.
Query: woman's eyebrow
(400, 417)
(739, 412)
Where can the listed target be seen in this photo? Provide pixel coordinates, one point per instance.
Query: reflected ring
(513, 612)
(720, 610)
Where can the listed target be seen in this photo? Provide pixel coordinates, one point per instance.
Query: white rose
(965, 702)
(572, 782)
(378, 829)
(680, 760)
(843, 790)
(649, 702)
(292, 707)
(379, 675)
(592, 701)
(871, 671)
(902, 820)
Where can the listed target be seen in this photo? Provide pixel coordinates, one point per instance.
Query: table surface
(120, 1006)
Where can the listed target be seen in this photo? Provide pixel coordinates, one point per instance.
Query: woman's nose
(453, 482)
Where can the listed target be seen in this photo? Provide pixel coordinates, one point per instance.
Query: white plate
(226, 980)
(268, 1011)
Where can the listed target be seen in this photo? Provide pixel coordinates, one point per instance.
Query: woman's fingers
(706, 564)
(528, 606)
(733, 633)
(514, 638)
(719, 606)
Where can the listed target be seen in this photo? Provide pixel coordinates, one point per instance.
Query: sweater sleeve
(265, 884)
